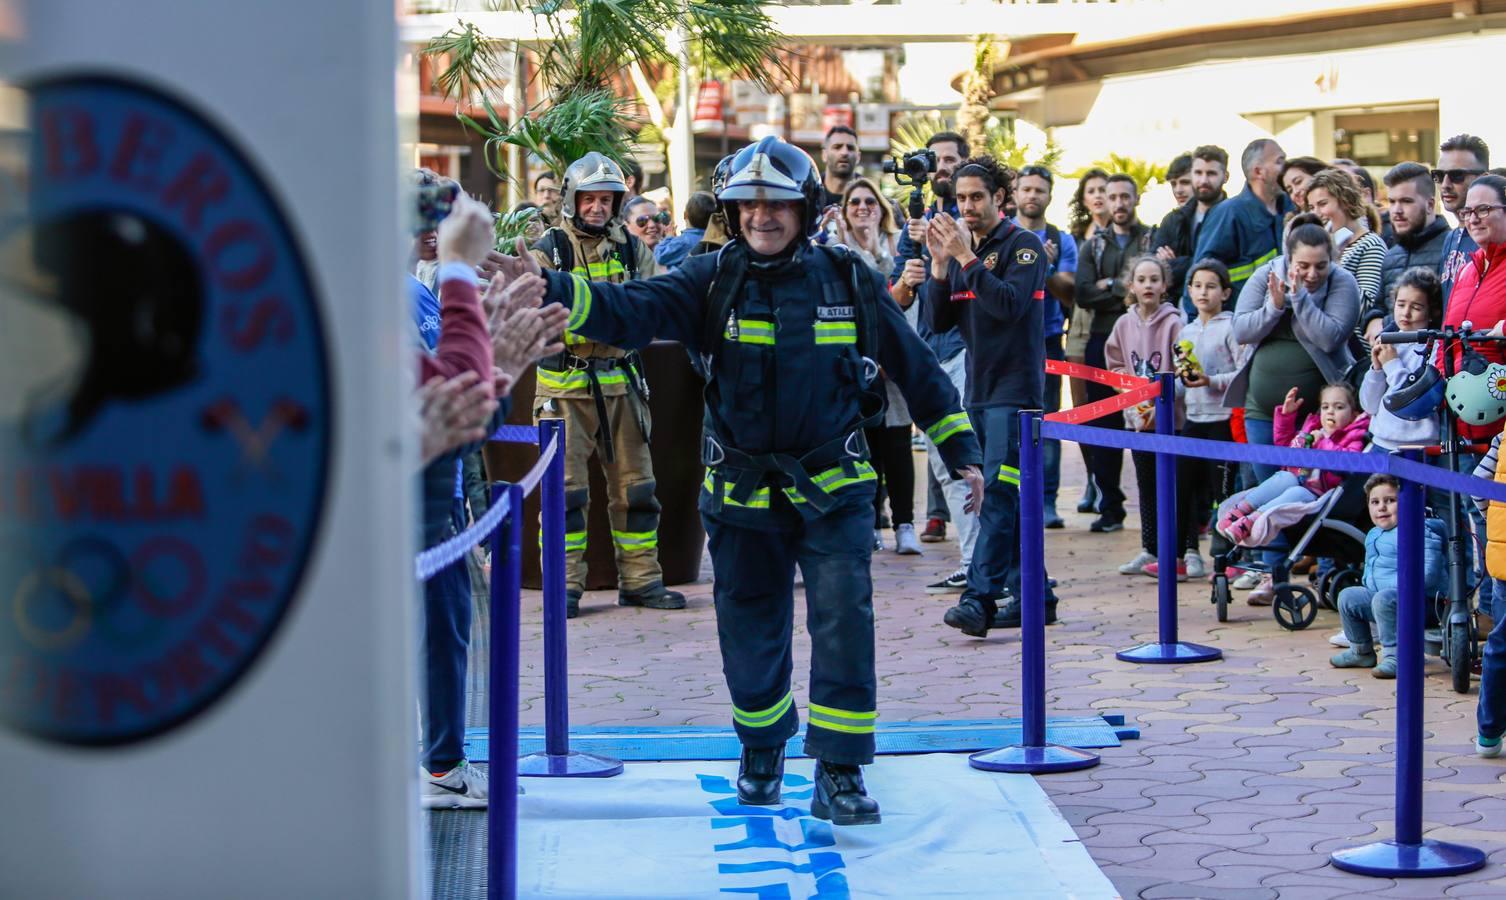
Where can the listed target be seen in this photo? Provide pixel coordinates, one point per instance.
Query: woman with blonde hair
(868, 229)
(1336, 197)
(867, 224)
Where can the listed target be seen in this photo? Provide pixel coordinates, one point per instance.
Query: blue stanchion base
(1389, 859)
(1033, 760)
(1180, 652)
(568, 765)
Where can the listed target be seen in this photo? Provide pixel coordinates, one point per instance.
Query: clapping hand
(453, 412)
(945, 239)
(521, 330)
(1276, 288)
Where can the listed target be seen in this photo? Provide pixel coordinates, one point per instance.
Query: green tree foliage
(592, 41)
(1144, 172)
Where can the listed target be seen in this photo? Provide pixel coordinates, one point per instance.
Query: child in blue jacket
(1375, 600)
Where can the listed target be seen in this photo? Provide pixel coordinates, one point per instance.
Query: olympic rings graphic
(73, 589)
(97, 581)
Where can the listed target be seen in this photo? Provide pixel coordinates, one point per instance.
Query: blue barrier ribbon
(428, 563)
(516, 434)
(1263, 454)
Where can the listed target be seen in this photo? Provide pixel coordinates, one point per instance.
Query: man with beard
(1461, 159)
(1102, 285)
(1420, 233)
(840, 155)
(1032, 194)
(546, 195)
(1177, 235)
(988, 279)
(911, 261)
(1245, 231)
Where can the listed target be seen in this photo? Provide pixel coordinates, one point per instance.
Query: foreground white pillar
(207, 606)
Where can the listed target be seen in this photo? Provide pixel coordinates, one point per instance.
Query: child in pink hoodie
(1335, 426)
(1141, 344)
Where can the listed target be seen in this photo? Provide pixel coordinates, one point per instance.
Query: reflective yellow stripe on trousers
(843, 720)
(763, 718)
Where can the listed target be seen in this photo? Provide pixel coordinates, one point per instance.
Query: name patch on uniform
(1025, 256)
(828, 313)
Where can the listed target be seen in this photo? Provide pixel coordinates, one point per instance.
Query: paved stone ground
(1248, 772)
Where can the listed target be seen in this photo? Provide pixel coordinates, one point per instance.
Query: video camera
(913, 171)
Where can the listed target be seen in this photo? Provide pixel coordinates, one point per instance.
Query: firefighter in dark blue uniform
(793, 337)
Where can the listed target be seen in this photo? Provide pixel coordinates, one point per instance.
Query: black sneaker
(655, 596)
(572, 604)
(1053, 520)
(1102, 525)
(969, 617)
(840, 797)
(1089, 501)
(954, 583)
(1009, 615)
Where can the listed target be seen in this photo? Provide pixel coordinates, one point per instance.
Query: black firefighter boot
(760, 775)
(840, 797)
(655, 596)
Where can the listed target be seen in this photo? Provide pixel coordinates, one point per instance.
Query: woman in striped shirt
(1336, 197)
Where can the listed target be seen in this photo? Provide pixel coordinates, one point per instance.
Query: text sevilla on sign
(163, 459)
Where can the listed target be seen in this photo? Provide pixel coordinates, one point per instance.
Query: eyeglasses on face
(862, 201)
(661, 217)
(1457, 176)
(1479, 212)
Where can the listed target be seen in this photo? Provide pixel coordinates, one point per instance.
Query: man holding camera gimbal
(910, 263)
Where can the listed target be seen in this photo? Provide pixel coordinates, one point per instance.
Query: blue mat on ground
(687, 742)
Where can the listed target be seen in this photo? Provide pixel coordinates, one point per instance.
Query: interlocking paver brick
(1248, 771)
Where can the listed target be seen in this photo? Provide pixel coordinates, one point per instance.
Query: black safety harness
(845, 450)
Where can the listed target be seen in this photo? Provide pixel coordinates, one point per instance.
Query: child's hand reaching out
(1292, 403)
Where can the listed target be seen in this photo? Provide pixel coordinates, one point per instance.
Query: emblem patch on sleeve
(1025, 256)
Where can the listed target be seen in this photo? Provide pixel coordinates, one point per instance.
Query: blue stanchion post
(502, 696)
(1408, 855)
(557, 760)
(1167, 649)
(1032, 755)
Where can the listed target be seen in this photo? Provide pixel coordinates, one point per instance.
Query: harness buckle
(575, 363)
(870, 371)
(712, 453)
(853, 445)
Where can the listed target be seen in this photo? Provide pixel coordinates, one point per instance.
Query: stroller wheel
(1295, 607)
(1339, 579)
(1220, 597)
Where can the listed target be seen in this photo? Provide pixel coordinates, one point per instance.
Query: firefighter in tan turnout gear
(600, 393)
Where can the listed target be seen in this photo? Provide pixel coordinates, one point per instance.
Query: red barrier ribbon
(1136, 390)
(1091, 373)
(1098, 408)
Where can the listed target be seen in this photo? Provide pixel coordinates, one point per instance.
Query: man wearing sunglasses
(1461, 159)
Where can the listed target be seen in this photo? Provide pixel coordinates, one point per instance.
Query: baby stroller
(1336, 531)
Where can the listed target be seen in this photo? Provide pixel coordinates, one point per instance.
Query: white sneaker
(463, 787)
(1134, 566)
(1195, 565)
(1339, 640)
(906, 543)
(1487, 751)
(878, 540)
(1246, 582)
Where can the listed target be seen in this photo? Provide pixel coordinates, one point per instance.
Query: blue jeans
(1261, 432)
(1051, 450)
(1491, 713)
(1358, 608)
(447, 638)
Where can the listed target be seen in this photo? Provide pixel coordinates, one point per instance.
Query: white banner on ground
(672, 830)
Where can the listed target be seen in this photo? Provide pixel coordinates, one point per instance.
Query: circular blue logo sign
(165, 430)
